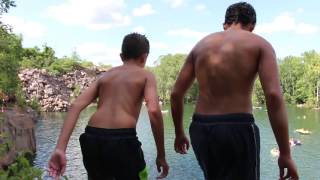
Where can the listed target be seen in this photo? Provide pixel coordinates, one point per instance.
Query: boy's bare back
(120, 93)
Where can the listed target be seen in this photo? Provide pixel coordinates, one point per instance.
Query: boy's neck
(133, 62)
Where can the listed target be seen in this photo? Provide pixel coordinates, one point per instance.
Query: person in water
(109, 145)
(223, 134)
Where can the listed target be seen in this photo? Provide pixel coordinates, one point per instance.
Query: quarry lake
(307, 156)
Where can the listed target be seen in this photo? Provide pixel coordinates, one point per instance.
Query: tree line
(299, 78)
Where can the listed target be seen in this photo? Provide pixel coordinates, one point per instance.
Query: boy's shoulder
(136, 73)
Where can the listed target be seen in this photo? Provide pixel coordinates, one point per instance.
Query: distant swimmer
(295, 142)
(275, 152)
(164, 111)
(303, 131)
(257, 107)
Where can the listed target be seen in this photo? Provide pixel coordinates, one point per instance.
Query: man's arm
(269, 78)
(184, 81)
(154, 111)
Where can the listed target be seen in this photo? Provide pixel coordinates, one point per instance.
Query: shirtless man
(110, 147)
(223, 134)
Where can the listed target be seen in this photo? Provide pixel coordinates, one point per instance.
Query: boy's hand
(285, 162)
(57, 163)
(181, 144)
(162, 165)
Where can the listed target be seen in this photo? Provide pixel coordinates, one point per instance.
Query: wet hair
(134, 45)
(240, 12)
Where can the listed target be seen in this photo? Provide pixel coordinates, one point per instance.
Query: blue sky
(95, 29)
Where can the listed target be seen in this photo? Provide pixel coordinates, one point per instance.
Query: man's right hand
(162, 167)
(285, 162)
(181, 144)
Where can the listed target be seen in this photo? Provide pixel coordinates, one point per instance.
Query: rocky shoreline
(54, 92)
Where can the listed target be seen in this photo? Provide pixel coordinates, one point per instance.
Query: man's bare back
(120, 92)
(225, 65)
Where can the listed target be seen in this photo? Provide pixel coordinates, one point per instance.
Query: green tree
(258, 94)
(10, 55)
(166, 73)
(311, 60)
(63, 65)
(5, 5)
(37, 58)
(292, 70)
(86, 64)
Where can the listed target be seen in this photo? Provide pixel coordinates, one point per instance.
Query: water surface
(184, 167)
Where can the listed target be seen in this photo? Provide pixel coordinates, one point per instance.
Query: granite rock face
(54, 93)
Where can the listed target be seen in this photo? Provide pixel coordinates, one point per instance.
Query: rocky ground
(54, 93)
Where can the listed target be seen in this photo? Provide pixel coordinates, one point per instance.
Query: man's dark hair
(134, 45)
(241, 12)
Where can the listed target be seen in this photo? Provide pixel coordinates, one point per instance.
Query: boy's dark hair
(134, 45)
(240, 12)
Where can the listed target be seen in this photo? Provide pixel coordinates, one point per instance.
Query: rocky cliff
(54, 93)
(17, 130)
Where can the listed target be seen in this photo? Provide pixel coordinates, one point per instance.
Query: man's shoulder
(259, 38)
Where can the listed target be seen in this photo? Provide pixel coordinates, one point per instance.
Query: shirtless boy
(110, 147)
(223, 134)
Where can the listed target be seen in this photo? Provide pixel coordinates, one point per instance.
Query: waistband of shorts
(121, 132)
(232, 118)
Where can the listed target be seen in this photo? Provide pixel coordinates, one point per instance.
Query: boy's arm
(57, 162)
(82, 101)
(268, 74)
(184, 81)
(154, 111)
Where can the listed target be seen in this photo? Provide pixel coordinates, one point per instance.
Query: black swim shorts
(112, 154)
(227, 146)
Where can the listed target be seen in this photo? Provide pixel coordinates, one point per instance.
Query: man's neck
(239, 26)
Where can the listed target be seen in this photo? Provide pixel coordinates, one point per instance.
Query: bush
(21, 169)
(34, 104)
(62, 66)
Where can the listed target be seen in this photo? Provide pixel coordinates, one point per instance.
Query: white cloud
(144, 10)
(96, 14)
(29, 29)
(303, 28)
(176, 3)
(187, 33)
(300, 10)
(200, 7)
(285, 22)
(99, 53)
(139, 29)
(159, 45)
(184, 48)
